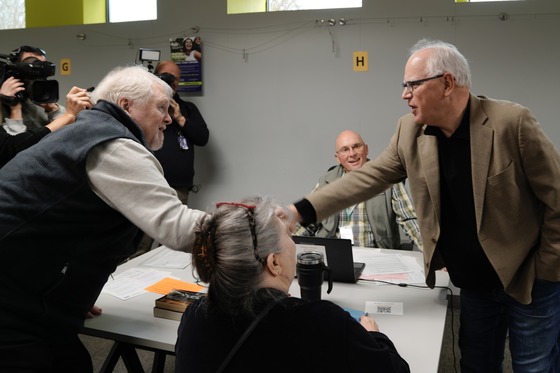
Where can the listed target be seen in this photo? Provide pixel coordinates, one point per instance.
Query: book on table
(167, 314)
(176, 302)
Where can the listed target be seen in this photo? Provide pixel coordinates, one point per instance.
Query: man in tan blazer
(485, 182)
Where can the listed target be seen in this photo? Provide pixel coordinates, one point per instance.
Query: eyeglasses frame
(345, 150)
(411, 84)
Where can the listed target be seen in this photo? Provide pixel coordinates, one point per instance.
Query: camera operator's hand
(77, 100)
(50, 107)
(10, 88)
(175, 113)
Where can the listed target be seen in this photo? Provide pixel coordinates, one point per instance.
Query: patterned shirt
(362, 232)
(406, 215)
(355, 218)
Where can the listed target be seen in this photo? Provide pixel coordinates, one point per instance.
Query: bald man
(372, 223)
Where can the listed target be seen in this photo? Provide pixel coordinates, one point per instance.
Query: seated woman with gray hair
(249, 322)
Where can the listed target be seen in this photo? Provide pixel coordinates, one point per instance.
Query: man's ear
(448, 82)
(124, 103)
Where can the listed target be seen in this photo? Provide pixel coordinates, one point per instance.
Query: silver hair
(224, 255)
(445, 58)
(133, 82)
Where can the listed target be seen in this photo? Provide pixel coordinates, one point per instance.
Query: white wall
(274, 117)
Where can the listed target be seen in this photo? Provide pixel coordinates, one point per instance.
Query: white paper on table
(168, 258)
(394, 268)
(378, 263)
(132, 282)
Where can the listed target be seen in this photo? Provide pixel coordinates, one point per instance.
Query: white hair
(133, 82)
(445, 58)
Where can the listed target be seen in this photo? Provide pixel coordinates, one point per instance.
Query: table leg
(159, 361)
(127, 353)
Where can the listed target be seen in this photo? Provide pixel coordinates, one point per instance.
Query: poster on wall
(186, 52)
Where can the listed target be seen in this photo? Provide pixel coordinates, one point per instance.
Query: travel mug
(311, 270)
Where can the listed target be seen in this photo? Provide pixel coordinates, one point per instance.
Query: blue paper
(355, 313)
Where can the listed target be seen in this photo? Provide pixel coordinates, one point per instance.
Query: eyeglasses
(345, 150)
(411, 84)
(252, 225)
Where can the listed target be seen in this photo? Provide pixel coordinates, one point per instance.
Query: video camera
(33, 73)
(168, 78)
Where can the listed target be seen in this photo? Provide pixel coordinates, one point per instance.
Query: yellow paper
(167, 284)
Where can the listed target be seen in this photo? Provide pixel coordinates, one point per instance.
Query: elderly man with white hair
(70, 209)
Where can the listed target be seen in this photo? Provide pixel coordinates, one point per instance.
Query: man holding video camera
(29, 67)
(12, 142)
(18, 89)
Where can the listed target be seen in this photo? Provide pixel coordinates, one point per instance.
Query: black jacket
(177, 162)
(11, 145)
(59, 241)
(295, 336)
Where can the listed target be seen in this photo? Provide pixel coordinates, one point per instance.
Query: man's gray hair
(445, 58)
(133, 82)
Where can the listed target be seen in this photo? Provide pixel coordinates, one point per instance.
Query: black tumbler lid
(310, 257)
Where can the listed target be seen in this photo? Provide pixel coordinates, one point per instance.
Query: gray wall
(274, 116)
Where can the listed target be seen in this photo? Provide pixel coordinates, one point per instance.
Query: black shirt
(295, 336)
(466, 262)
(177, 153)
(10, 145)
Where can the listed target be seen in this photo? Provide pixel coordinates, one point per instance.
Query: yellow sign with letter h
(360, 61)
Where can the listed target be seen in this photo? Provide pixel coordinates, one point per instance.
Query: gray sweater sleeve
(128, 177)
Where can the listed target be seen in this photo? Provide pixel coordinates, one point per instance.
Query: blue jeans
(534, 330)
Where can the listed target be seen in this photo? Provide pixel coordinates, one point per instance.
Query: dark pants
(533, 329)
(32, 355)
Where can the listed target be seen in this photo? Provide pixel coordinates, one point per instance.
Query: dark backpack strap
(245, 335)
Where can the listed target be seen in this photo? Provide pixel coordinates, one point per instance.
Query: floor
(99, 349)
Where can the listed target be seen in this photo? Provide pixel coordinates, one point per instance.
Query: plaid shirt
(356, 218)
(362, 232)
(406, 215)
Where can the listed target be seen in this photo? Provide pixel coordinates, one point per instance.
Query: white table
(417, 334)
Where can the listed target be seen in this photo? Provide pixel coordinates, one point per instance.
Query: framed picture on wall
(186, 52)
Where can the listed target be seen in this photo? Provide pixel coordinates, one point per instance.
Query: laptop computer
(338, 256)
